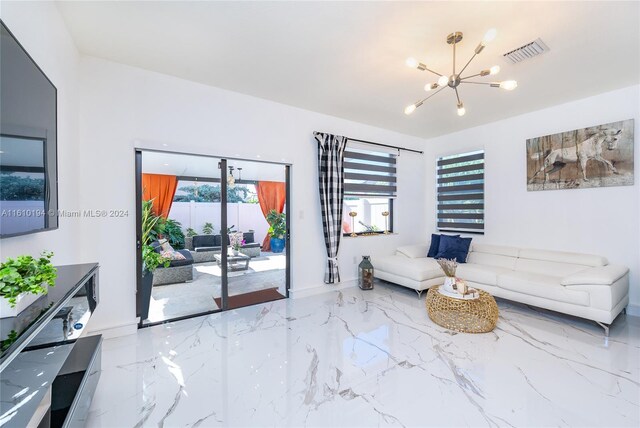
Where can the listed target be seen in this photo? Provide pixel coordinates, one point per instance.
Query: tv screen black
(28, 143)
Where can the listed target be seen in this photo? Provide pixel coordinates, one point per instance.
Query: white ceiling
(346, 59)
(207, 167)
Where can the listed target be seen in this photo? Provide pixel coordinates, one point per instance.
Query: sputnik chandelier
(455, 79)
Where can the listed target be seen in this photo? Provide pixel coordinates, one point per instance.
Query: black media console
(48, 373)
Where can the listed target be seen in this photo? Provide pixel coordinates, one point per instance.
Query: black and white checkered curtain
(331, 186)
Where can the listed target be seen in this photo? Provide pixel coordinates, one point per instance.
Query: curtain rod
(378, 144)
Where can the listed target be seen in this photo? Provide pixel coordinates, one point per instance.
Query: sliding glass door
(212, 234)
(257, 229)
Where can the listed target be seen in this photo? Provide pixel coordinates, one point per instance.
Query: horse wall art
(598, 156)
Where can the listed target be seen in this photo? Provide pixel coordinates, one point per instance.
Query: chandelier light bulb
(489, 36)
(430, 86)
(443, 80)
(461, 109)
(509, 85)
(412, 62)
(410, 109)
(494, 70)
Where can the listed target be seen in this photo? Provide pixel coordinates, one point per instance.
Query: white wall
(601, 221)
(123, 107)
(41, 31)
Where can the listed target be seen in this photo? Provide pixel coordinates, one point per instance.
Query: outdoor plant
(26, 274)
(207, 229)
(191, 232)
(277, 224)
(172, 232)
(150, 258)
(237, 240)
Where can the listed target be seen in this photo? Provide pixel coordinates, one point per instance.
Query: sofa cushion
(188, 259)
(548, 268)
(499, 250)
(172, 255)
(413, 251)
(452, 247)
(563, 257)
(482, 274)
(248, 237)
(544, 286)
(418, 269)
(496, 260)
(602, 275)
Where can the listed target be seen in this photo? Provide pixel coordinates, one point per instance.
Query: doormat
(252, 298)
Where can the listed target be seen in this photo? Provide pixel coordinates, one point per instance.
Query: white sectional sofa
(582, 285)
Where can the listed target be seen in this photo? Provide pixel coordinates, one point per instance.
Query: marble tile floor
(357, 358)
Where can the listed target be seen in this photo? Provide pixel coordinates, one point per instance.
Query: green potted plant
(207, 229)
(172, 232)
(277, 230)
(24, 280)
(150, 258)
(188, 238)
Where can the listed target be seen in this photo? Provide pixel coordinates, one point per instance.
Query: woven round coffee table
(467, 316)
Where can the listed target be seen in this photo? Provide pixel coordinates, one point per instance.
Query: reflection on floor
(187, 298)
(358, 358)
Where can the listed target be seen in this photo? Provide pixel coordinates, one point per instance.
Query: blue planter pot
(277, 245)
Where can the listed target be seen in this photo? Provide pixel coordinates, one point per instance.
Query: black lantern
(365, 273)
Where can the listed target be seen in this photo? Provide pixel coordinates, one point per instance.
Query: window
(369, 189)
(461, 192)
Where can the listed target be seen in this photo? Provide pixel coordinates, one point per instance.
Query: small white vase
(22, 302)
(449, 282)
(236, 252)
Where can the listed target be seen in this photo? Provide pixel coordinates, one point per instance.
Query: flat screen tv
(28, 143)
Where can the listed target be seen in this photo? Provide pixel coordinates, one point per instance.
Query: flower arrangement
(448, 267)
(237, 240)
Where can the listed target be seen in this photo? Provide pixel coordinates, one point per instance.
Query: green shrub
(26, 274)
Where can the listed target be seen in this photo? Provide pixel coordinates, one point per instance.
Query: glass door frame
(222, 165)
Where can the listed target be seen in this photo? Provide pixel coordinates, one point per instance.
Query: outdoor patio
(187, 298)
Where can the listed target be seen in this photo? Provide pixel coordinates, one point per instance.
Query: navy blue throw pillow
(435, 244)
(453, 247)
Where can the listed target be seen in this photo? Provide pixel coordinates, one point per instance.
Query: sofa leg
(606, 328)
(624, 310)
(419, 293)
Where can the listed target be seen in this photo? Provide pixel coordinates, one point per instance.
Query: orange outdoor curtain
(272, 196)
(161, 188)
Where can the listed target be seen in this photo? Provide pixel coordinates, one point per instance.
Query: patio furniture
(206, 246)
(239, 262)
(178, 270)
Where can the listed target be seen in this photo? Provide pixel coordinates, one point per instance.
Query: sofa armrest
(601, 275)
(413, 251)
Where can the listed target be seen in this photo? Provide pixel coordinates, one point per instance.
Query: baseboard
(116, 331)
(324, 288)
(633, 310)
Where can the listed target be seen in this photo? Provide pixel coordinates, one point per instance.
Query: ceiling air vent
(535, 48)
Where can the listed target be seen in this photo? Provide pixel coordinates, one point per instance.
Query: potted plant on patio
(188, 238)
(277, 230)
(24, 280)
(237, 241)
(151, 259)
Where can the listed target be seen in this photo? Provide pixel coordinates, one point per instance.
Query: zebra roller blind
(461, 192)
(369, 173)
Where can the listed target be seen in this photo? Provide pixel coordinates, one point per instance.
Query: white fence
(243, 217)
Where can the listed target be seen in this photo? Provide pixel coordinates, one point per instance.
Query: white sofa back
(552, 263)
(493, 255)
